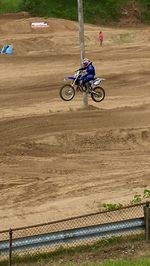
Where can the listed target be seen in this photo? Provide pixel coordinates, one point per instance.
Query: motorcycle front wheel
(98, 94)
(67, 92)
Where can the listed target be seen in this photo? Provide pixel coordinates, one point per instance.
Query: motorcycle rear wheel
(67, 92)
(98, 94)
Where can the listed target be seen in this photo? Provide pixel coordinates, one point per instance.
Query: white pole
(82, 46)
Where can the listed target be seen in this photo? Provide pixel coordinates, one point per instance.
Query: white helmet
(86, 62)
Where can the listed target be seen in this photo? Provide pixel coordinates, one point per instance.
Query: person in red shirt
(100, 38)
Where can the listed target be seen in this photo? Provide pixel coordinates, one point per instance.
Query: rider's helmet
(86, 62)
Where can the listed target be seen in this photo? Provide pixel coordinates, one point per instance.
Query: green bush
(7, 6)
(145, 10)
(101, 11)
(112, 206)
(97, 11)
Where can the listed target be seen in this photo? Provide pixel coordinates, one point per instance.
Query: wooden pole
(82, 46)
(147, 221)
(10, 247)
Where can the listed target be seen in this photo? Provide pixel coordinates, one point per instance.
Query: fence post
(10, 247)
(147, 221)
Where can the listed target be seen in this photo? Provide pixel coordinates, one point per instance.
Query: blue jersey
(90, 73)
(90, 70)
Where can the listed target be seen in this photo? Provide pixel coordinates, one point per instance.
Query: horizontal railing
(73, 235)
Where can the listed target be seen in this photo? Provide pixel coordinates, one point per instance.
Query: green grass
(145, 261)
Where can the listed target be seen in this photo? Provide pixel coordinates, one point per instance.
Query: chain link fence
(72, 232)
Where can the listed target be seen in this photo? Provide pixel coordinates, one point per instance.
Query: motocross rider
(89, 70)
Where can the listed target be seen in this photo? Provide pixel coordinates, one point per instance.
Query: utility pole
(82, 46)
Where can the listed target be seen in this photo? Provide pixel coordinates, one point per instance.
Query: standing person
(101, 38)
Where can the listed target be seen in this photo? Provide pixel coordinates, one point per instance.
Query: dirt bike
(68, 91)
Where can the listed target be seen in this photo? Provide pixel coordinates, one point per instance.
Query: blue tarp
(7, 49)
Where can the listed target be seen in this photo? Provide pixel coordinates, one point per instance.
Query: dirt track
(57, 160)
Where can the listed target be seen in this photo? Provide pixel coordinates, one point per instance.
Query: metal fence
(75, 231)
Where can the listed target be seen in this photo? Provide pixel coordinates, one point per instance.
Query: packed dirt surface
(58, 160)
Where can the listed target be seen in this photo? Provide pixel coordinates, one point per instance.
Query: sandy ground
(56, 159)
